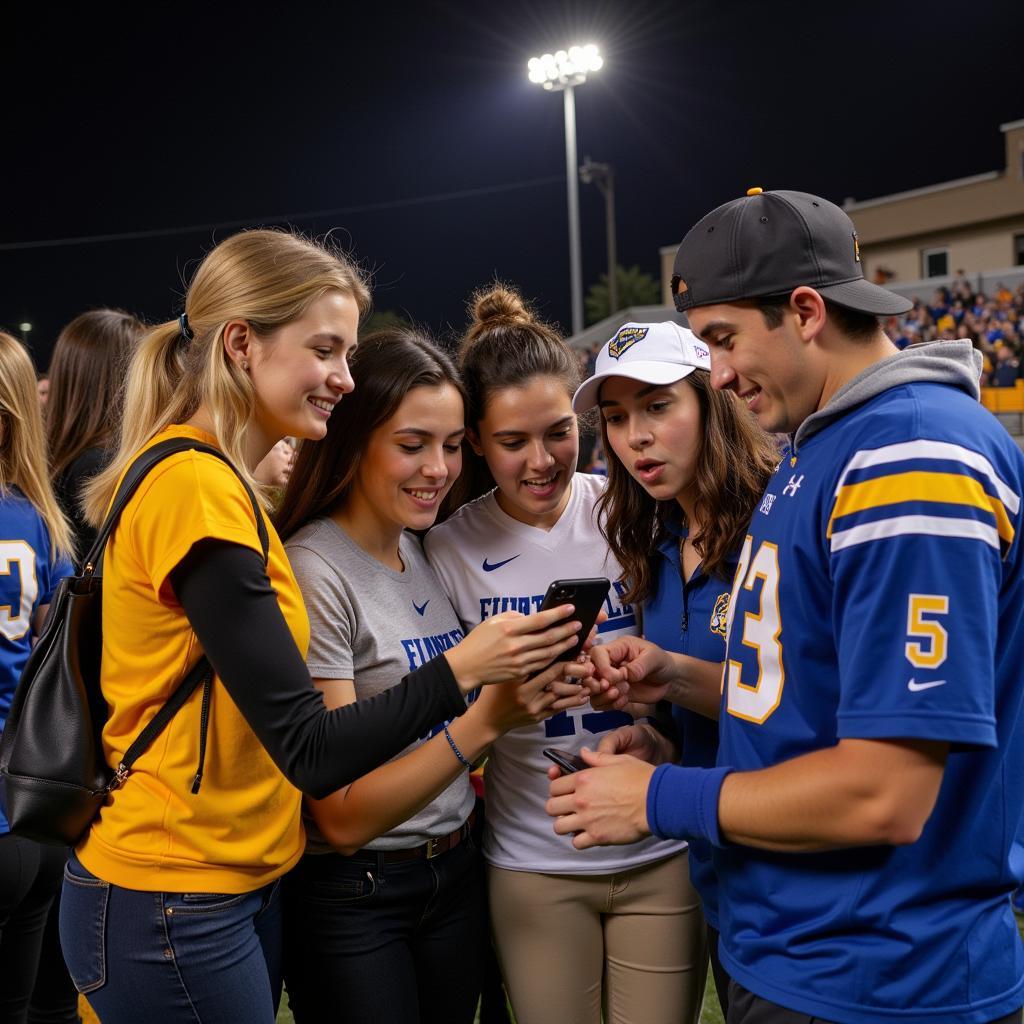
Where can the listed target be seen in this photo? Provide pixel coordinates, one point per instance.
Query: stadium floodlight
(561, 72)
(565, 68)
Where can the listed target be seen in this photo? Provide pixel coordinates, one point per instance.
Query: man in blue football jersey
(870, 777)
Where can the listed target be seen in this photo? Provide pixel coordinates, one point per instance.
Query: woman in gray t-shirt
(385, 912)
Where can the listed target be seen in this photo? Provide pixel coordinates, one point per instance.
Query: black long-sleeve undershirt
(233, 609)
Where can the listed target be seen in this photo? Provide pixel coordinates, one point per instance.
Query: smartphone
(586, 596)
(565, 760)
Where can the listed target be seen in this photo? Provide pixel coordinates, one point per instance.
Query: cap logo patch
(702, 352)
(625, 340)
(856, 247)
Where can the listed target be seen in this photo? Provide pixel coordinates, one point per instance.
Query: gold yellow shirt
(243, 828)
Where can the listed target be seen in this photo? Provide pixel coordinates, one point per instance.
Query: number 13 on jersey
(755, 701)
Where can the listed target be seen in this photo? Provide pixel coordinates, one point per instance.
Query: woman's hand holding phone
(520, 702)
(512, 646)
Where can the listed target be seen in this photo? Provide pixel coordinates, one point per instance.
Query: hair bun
(500, 304)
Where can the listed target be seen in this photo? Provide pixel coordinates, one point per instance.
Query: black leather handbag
(52, 769)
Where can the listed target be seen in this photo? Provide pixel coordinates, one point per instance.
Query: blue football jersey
(879, 596)
(28, 578)
(690, 619)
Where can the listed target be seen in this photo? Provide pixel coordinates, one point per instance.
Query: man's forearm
(857, 793)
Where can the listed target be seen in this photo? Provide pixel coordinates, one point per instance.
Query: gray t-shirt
(374, 625)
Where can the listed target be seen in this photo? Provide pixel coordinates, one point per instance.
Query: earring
(245, 365)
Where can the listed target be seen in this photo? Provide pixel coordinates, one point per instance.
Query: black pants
(746, 1008)
(30, 880)
(397, 943)
(54, 999)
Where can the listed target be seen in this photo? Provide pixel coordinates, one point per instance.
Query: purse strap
(134, 476)
(202, 671)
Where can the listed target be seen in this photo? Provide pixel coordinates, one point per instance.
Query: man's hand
(641, 741)
(604, 805)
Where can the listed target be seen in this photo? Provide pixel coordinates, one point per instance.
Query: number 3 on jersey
(16, 622)
(756, 701)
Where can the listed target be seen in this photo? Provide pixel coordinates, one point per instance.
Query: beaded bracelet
(455, 749)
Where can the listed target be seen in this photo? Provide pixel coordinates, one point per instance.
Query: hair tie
(183, 326)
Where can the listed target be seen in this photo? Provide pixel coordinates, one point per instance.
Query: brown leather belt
(425, 851)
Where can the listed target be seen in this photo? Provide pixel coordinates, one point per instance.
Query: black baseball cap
(767, 244)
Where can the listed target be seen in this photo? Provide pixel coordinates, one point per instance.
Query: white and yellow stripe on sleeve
(923, 487)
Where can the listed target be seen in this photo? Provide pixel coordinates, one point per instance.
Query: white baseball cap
(652, 353)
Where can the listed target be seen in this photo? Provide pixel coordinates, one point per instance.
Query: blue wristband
(682, 803)
(458, 753)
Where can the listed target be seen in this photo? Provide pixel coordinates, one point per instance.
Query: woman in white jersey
(620, 932)
(384, 914)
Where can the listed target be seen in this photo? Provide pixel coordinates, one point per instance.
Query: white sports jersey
(491, 563)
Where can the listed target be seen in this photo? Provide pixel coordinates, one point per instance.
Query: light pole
(603, 177)
(562, 72)
(25, 328)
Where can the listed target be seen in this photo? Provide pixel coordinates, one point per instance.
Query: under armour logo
(794, 485)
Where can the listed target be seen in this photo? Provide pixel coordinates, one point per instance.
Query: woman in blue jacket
(686, 468)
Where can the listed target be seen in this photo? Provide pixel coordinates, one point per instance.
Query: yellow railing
(1004, 399)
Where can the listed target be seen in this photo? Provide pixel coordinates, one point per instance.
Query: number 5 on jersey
(756, 701)
(927, 639)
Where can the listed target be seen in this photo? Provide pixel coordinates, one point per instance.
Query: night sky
(413, 134)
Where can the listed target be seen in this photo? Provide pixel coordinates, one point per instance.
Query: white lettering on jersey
(793, 486)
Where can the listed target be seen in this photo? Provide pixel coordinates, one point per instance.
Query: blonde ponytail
(267, 278)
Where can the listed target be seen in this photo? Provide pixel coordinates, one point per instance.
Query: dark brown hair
(87, 373)
(386, 366)
(857, 326)
(737, 458)
(506, 346)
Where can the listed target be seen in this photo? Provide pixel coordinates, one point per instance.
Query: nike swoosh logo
(491, 566)
(423, 608)
(915, 687)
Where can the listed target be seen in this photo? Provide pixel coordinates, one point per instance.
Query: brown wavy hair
(737, 458)
(505, 346)
(385, 366)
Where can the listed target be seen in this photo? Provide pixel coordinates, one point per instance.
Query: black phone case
(565, 760)
(587, 595)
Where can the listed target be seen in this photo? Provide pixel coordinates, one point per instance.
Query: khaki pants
(633, 941)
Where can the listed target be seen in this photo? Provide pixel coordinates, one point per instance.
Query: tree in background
(635, 289)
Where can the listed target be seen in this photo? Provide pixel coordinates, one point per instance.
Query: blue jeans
(396, 943)
(156, 956)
